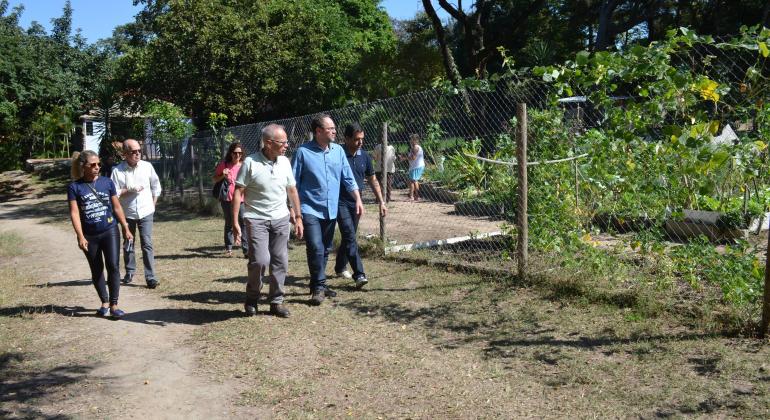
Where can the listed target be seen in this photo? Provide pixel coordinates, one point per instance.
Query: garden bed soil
(439, 193)
(479, 209)
(682, 230)
(419, 221)
(607, 222)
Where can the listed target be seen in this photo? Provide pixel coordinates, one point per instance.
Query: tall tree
(486, 25)
(42, 78)
(446, 54)
(62, 26)
(252, 60)
(618, 16)
(412, 65)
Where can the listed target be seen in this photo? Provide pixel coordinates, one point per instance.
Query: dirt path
(417, 342)
(143, 369)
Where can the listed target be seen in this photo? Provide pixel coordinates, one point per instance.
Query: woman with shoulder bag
(94, 206)
(226, 172)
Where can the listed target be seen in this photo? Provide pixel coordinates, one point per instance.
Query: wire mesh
(620, 187)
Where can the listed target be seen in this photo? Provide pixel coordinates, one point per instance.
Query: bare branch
(459, 15)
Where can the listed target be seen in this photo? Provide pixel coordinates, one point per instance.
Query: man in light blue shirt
(320, 169)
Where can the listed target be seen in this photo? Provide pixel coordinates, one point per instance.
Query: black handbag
(217, 190)
(220, 189)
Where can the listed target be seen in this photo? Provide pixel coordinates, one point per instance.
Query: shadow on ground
(188, 316)
(47, 211)
(171, 212)
(199, 252)
(75, 311)
(217, 297)
(20, 390)
(235, 279)
(504, 335)
(70, 283)
(212, 297)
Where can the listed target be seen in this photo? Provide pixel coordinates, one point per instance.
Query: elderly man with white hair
(138, 188)
(265, 180)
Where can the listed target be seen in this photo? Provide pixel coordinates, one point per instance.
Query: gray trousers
(268, 247)
(145, 235)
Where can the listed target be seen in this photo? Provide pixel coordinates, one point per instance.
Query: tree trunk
(604, 32)
(449, 63)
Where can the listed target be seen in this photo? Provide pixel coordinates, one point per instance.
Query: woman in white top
(416, 167)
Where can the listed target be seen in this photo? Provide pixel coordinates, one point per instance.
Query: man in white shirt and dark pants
(138, 189)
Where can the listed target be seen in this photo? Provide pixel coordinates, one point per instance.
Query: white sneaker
(345, 274)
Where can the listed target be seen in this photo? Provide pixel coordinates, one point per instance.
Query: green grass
(10, 244)
(425, 342)
(431, 340)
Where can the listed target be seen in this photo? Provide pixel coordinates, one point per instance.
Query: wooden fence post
(384, 186)
(521, 158)
(199, 171)
(178, 165)
(766, 296)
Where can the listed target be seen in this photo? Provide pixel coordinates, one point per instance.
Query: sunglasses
(135, 152)
(93, 165)
(237, 153)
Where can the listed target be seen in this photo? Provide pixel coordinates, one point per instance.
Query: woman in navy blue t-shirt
(94, 206)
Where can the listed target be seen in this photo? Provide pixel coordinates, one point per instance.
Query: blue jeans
(148, 257)
(348, 250)
(104, 249)
(227, 208)
(319, 237)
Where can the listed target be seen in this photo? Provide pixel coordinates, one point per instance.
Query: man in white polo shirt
(138, 189)
(265, 179)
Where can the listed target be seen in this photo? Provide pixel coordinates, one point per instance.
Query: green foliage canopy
(42, 78)
(251, 59)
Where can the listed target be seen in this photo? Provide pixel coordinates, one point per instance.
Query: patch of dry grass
(46, 352)
(420, 341)
(424, 342)
(44, 356)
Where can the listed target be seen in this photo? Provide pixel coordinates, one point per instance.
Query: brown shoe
(318, 297)
(279, 310)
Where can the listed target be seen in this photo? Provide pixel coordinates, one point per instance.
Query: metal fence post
(384, 186)
(521, 158)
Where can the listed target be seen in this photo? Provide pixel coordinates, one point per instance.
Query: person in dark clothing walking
(347, 219)
(94, 206)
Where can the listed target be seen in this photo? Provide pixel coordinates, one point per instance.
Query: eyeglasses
(93, 165)
(280, 143)
(332, 128)
(135, 152)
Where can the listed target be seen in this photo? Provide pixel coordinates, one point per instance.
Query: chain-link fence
(657, 176)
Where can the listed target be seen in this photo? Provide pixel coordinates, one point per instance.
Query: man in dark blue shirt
(361, 164)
